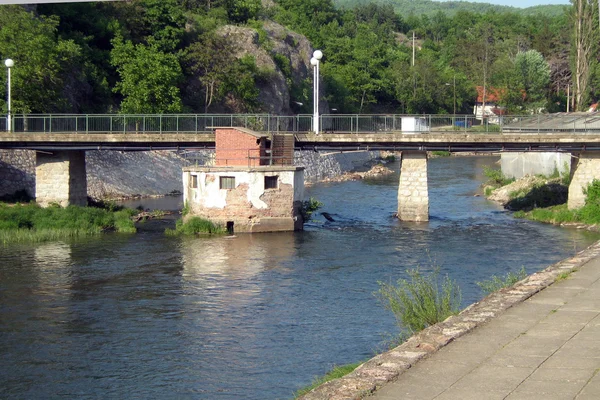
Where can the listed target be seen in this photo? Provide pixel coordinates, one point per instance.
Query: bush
(309, 207)
(195, 226)
(496, 177)
(496, 283)
(422, 301)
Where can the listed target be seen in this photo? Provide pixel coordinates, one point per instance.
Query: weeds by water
(422, 301)
(496, 283)
(495, 177)
(589, 214)
(195, 226)
(309, 207)
(335, 373)
(32, 223)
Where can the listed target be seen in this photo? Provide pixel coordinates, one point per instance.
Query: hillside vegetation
(450, 8)
(213, 56)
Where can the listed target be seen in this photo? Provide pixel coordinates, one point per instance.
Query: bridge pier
(60, 177)
(413, 194)
(585, 167)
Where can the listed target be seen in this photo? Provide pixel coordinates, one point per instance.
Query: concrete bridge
(61, 142)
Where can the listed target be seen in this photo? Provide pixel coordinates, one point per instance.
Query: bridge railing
(328, 123)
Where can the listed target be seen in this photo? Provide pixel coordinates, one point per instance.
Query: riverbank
(544, 199)
(32, 223)
(387, 367)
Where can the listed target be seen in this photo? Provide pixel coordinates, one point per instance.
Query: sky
(520, 3)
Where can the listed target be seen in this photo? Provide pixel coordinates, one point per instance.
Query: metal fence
(329, 123)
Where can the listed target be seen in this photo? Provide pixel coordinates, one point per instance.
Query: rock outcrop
(274, 97)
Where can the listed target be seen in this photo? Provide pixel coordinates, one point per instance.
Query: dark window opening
(230, 227)
(271, 182)
(194, 181)
(227, 182)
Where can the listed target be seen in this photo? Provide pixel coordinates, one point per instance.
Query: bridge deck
(454, 142)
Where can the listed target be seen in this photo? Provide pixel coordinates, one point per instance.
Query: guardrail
(329, 123)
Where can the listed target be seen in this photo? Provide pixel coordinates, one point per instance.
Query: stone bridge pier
(60, 177)
(585, 167)
(413, 194)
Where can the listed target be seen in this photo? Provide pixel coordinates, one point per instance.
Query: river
(251, 316)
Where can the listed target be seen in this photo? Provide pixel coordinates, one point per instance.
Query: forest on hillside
(450, 8)
(172, 56)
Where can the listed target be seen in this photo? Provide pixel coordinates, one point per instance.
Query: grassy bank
(335, 373)
(196, 226)
(589, 214)
(32, 223)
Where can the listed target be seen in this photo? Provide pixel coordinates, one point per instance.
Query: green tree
(149, 78)
(532, 76)
(42, 60)
(210, 61)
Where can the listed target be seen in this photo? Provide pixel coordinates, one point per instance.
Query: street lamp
(314, 61)
(9, 64)
(454, 98)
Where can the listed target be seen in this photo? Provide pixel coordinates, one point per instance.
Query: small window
(271, 182)
(194, 181)
(227, 182)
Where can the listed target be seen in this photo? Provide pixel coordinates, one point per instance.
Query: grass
(422, 301)
(563, 275)
(589, 214)
(32, 223)
(195, 226)
(440, 153)
(496, 283)
(335, 373)
(495, 177)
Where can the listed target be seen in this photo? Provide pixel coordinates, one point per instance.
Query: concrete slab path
(547, 347)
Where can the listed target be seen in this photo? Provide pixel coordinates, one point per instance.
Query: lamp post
(314, 61)
(454, 96)
(9, 64)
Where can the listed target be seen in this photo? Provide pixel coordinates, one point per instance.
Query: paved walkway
(547, 347)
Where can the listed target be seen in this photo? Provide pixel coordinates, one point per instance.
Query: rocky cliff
(285, 90)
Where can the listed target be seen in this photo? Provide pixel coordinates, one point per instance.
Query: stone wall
(586, 170)
(17, 172)
(60, 178)
(324, 165)
(413, 194)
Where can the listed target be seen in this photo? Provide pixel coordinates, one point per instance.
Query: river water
(251, 316)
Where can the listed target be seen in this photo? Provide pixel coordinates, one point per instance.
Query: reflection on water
(250, 316)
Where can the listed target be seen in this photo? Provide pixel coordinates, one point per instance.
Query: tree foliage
(171, 55)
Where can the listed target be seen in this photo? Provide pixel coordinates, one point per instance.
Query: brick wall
(237, 148)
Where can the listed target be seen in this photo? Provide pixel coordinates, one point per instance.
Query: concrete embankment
(515, 342)
(115, 174)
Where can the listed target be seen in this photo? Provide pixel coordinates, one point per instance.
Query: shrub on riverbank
(421, 301)
(589, 214)
(496, 283)
(195, 226)
(32, 223)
